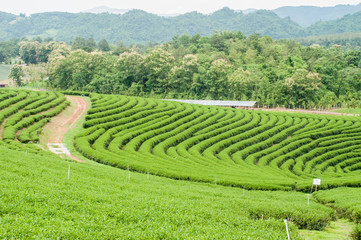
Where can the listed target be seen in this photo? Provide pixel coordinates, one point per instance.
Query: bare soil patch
(54, 131)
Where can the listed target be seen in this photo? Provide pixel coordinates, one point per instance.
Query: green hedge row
(259, 150)
(76, 93)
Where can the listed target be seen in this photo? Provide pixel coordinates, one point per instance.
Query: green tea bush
(198, 143)
(356, 232)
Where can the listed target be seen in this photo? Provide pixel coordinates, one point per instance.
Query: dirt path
(55, 130)
(303, 111)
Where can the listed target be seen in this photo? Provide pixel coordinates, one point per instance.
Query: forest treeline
(346, 40)
(140, 27)
(225, 65)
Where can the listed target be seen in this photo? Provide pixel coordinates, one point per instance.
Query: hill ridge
(138, 26)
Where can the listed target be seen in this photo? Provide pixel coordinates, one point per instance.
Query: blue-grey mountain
(140, 27)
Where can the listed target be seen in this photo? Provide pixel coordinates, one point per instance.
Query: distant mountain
(105, 9)
(351, 40)
(6, 17)
(305, 16)
(250, 10)
(347, 24)
(137, 26)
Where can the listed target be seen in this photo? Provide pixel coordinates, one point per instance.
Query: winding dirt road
(60, 124)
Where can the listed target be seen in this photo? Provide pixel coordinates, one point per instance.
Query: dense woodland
(315, 14)
(345, 40)
(226, 65)
(140, 27)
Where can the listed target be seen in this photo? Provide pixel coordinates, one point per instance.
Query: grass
(348, 110)
(338, 230)
(98, 201)
(252, 149)
(345, 200)
(4, 71)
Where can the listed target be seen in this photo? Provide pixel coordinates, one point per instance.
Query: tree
(218, 42)
(87, 45)
(90, 45)
(2, 57)
(328, 99)
(129, 68)
(217, 79)
(48, 39)
(158, 65)
(38, 39)
(78, 43)
(27, 52)
(241, 84)
(9, 49)
(302, 87)
(76, 70)
(119, 48)
(349, 80)
(103, 45)
(16, 73)
(59, 49)
(42, 52)
(181, 77)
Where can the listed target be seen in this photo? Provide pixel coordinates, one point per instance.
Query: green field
(195, 172)
(349, 110)
(4, 71)
(252, 149)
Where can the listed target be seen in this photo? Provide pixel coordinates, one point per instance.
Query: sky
(157, 6)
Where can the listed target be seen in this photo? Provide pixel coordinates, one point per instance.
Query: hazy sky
(156, 6)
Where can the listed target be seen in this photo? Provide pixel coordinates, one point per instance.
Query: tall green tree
(78, 43)
(217, 81)
(27, 52)
(302, 87)
(103, 45)
(130, 69)
(16, 74)
(158, 65)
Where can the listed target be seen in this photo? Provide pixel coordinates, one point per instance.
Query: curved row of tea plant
(34, 182)
(149, 130)
(23, 113)
(36, 191)
(252, 149)
(347, 202)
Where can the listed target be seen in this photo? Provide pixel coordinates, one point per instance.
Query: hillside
(252, 149)
(349, 40)
(44, 196)
(98, 201)
(349, 23)
(295, 13)
(259, 150)
(305, 16)
(137, 26)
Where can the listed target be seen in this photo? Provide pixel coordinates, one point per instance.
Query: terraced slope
(23, 114)
(37, 194)
(252, 149)
(38, 201)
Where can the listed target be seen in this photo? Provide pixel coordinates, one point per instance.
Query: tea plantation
(232, 147)
(183, 161)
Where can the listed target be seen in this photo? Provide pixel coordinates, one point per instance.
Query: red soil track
(60, 124)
